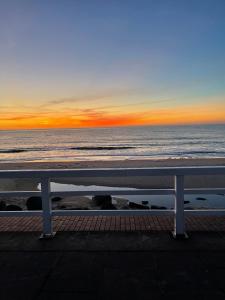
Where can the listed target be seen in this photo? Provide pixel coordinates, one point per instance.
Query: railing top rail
(112, 172)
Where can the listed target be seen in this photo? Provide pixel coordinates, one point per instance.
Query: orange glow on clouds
(189, 114)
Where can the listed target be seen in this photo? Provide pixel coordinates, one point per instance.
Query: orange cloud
(93, 117)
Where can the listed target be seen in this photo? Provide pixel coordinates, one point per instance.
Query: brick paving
(114, 223)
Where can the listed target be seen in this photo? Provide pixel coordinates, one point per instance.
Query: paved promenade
(87, 259)
(98, 223)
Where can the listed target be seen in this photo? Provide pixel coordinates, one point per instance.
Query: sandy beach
(137, 182)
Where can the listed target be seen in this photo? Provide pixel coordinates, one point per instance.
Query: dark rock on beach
(108, 206)
(13, 207)
(2, 205)
(144, 202)
(72, 208)
(201, 198)
(157, 207)
(34, 203)
(10, 207)
(62, 207)
(78, 208)
(186, 202)
(137, 206)
(56, 199)
(104, 201)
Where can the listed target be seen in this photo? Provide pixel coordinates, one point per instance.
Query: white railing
(178, 191)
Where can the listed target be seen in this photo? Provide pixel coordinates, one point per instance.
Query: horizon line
(114, 126)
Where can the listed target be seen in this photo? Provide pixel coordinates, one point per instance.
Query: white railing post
(179, 222)
(47, 209)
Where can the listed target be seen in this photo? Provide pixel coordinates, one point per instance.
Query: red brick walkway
(98, 223)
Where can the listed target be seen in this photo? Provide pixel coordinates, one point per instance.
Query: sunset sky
(75, 63)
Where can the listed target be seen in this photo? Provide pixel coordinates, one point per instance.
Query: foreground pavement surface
(112, 265)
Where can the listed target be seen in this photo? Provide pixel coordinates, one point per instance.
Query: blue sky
(126, 52)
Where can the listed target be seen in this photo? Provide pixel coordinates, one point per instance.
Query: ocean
(113, 143)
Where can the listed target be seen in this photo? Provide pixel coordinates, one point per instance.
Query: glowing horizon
(94, 64)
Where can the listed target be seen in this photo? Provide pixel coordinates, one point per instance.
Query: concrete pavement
(112, 265)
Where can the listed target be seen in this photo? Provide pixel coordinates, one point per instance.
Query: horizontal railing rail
(112, 172)
(45, 176)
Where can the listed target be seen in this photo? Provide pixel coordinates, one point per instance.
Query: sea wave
(152, 152)
(102, 148)
(13, 151)
(87, 148)
(21, 150)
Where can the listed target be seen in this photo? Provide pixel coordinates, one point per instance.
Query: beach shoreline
(127, 163)
(137, 182)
